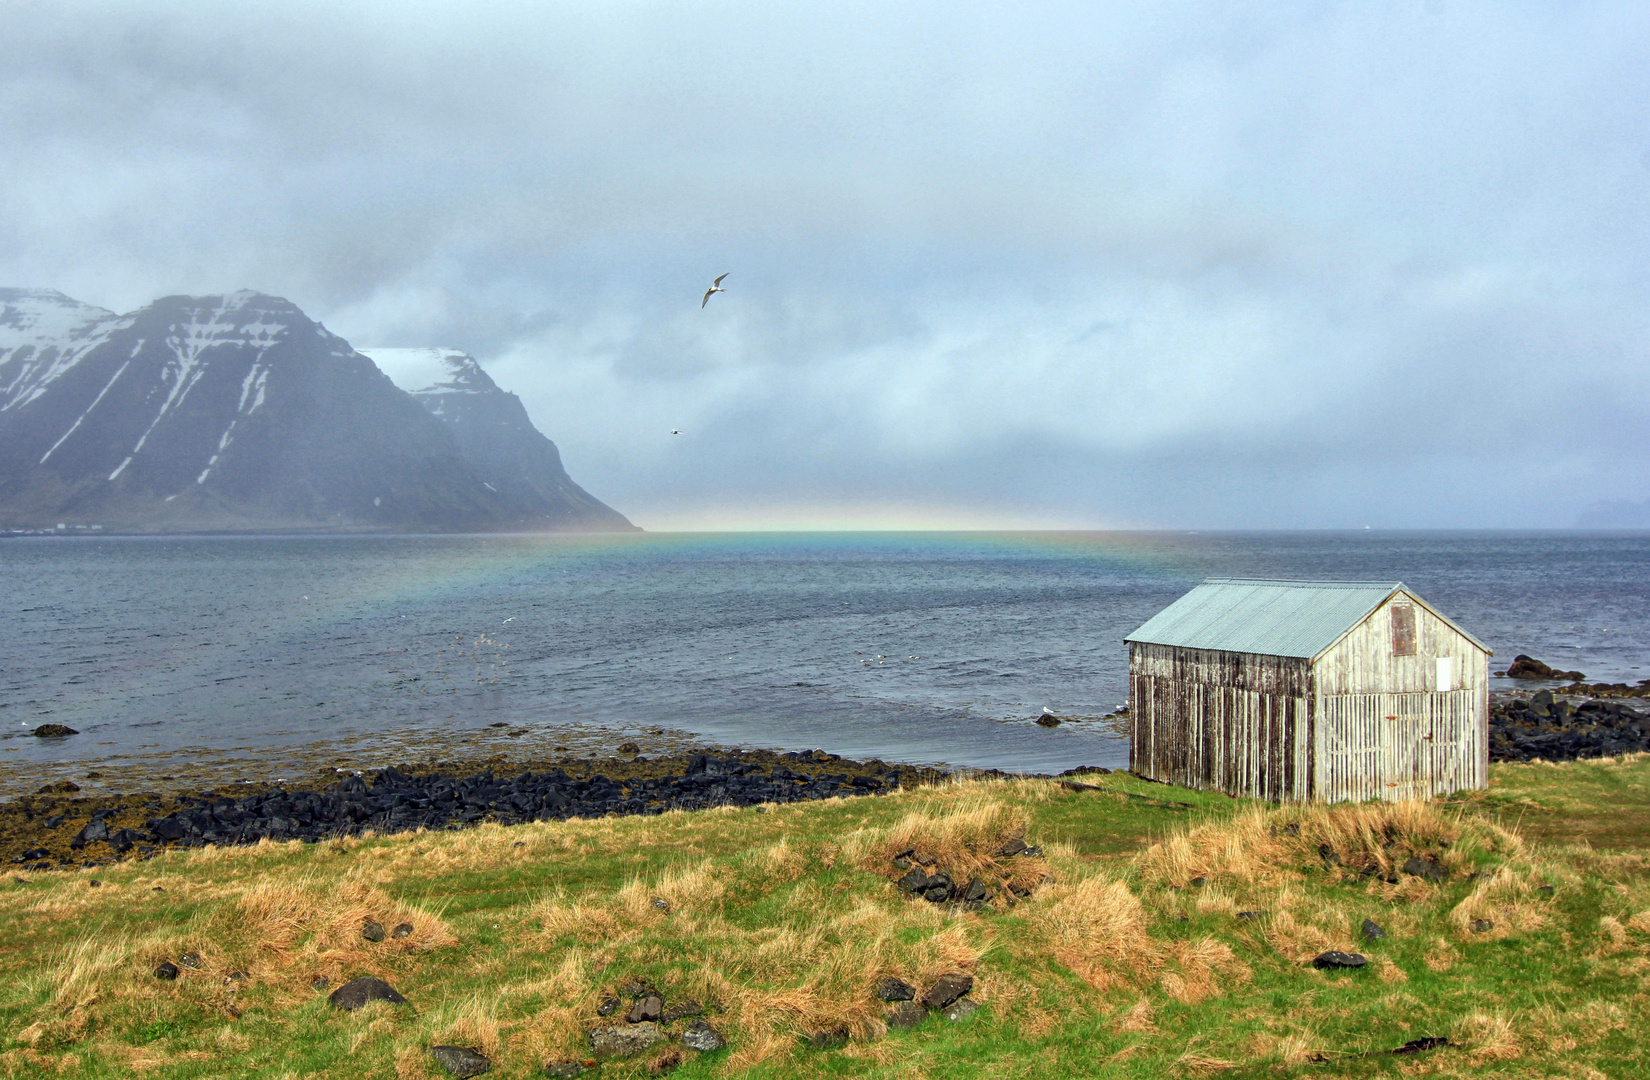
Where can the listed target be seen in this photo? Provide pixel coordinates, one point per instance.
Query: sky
(1098, 265)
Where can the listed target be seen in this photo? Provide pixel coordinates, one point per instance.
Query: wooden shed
(1308, 690)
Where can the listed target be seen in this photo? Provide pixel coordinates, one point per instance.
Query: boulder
(565, 1068)
(914, 882)
(946, 989)
(1425, 867)
(190, 960)
(1333, 959)
(54, 731)
(680, 1010)
(621, 1040)
(647, 1007)
(892, 989)
(961, 1009)
(1481, 926)
(167, 970)
(1528, 667)
(1372, 930)
(904, 1015)
(356, 993)
(402, 930)
(608, 1006)
(375, 932)
(461, 1060)
(701, 1036)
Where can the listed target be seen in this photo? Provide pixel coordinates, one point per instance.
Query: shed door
(1395, 746)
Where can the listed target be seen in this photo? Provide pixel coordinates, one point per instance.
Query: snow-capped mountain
(236, 412)
(491, 425)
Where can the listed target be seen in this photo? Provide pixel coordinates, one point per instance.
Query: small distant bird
(511, 619)
(715, 287)
(673, 431)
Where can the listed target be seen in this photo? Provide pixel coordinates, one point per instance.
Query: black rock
(1012, 847)
(648, 1007)
(53, 731)
(1250, 916)
(961, 1009)
(1333, 959)
(1481, 926)
(946, 989)
(975, 891)
(191, 960)
(564, 1068)
(402, 930)
(1415, 1046)
(1547, 891)
(1372, 930)
(1032, 851)
(636, 988)
(357, 992)
(1425, 868)
(608, 1007)
(680, 1010)
(167, 970)
(701, 1036)
(914, 882)
(892, 989)
(904, 1015)
(461, 1060)
(33, 854)
(373, 932)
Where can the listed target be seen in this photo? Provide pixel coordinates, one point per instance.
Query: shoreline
(59, 827)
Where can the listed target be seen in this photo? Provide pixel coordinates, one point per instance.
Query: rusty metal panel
(1403, 628)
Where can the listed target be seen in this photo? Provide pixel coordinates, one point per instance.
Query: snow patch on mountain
(431, 371)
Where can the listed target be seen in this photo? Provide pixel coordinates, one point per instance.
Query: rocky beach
(58, 827)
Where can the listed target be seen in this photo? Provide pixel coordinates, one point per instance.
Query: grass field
(1117, 963)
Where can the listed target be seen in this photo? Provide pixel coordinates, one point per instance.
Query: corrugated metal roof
(1273, 618)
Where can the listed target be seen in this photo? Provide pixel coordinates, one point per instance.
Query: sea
(210, 660)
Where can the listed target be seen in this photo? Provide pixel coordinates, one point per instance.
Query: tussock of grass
(1111, 963)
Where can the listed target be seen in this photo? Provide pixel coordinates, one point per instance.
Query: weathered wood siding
(1390, 725)
(1233, 722)
(1374, 718)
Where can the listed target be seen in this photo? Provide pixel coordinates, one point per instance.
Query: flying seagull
(715, 287)
(673, 431)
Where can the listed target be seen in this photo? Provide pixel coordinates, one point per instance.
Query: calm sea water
(261, 656)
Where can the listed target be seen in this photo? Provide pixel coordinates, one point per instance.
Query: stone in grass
(1249, 916)
(620, 1040)
(567, 1068)
(403, 930)
(1481, 926)
(356, 993)
(961, 1009)
(1426, 869)
(646, 1008)
(167, 970)
(679, 1010)
(828, 1038)
(946, 989)
(372, 931)
(1372, 930)
(701, 1036)
(461, 1060)
(608, 1007)
(904, 1015)
(190, 960)
(1334, 959)
(892, 989)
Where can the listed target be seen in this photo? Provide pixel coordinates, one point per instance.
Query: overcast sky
(1168, 264)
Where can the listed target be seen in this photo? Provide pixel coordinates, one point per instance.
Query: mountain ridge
(239, 413)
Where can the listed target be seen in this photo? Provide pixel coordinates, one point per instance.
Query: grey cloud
(1183, 264)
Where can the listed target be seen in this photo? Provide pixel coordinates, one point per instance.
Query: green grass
(1115, 966)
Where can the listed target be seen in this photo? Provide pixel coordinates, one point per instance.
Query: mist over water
(262, 653)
